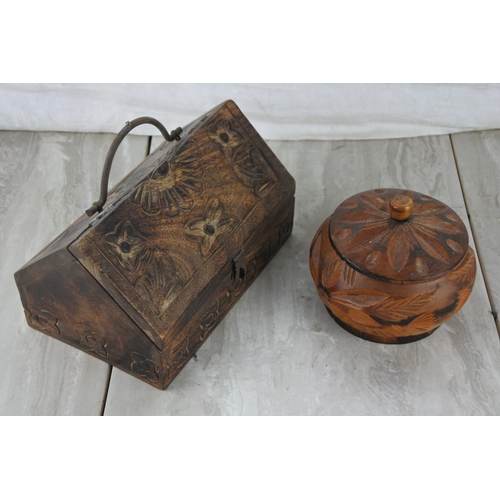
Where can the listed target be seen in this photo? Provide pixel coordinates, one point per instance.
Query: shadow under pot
(392, 265)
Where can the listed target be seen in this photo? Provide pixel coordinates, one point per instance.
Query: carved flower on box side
(177, 360)
(173, 186)
(223, 135)
(127, 245)
(181, 354)
(369, 225)
(207, 229)
(92, 341)
(285, 231)
(236, 285)
(209, 320)
(43, 320)
(146, 368)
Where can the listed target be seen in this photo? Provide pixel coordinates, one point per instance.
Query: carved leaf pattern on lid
(432, 241)
(161, 282)
(255, 172)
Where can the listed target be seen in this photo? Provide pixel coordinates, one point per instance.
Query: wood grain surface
(278, 352)
(477, 156)
(46, 182)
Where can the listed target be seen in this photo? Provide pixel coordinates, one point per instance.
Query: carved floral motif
(127, 245)
(173, 186)
(235, 287)
(177, 360)
(467, 272)
(181, 354)
(248, 164)
(223, 135)
(92, 341)
(145, 368)
(285, 231)
(161, 282)
(255, 172)
(156, 276)
(207, 229)
(43, 320)
(368, 225)
(209, 320)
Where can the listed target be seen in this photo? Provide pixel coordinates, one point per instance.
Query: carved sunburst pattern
(432, 241)
(173, 186)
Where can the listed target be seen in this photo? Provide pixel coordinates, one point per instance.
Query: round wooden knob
(401, 207)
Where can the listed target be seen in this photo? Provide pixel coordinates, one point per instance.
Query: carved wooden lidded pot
(392, 265)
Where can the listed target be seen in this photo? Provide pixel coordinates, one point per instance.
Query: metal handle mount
(174, 135)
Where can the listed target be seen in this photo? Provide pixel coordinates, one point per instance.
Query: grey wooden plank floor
(46, 182)
(478, 161)
(278, 351)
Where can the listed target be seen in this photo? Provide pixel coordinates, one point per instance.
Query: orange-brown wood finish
(143, 284)
(392, 265)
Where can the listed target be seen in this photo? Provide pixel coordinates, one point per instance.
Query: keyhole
(224, 137)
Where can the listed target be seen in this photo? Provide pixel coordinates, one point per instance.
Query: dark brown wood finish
(180, 240)
(391, 266)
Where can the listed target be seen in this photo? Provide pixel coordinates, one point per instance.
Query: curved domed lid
(398, 235)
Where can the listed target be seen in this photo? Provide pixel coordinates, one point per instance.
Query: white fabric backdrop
(278, 111)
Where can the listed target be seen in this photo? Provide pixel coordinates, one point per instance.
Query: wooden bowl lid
(399, 235)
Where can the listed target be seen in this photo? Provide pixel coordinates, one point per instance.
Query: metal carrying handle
(174, 135)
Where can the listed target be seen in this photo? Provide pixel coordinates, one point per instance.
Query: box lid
(398, 235)
(174, 222)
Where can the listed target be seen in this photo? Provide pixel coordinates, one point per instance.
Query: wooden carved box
(142, 284)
